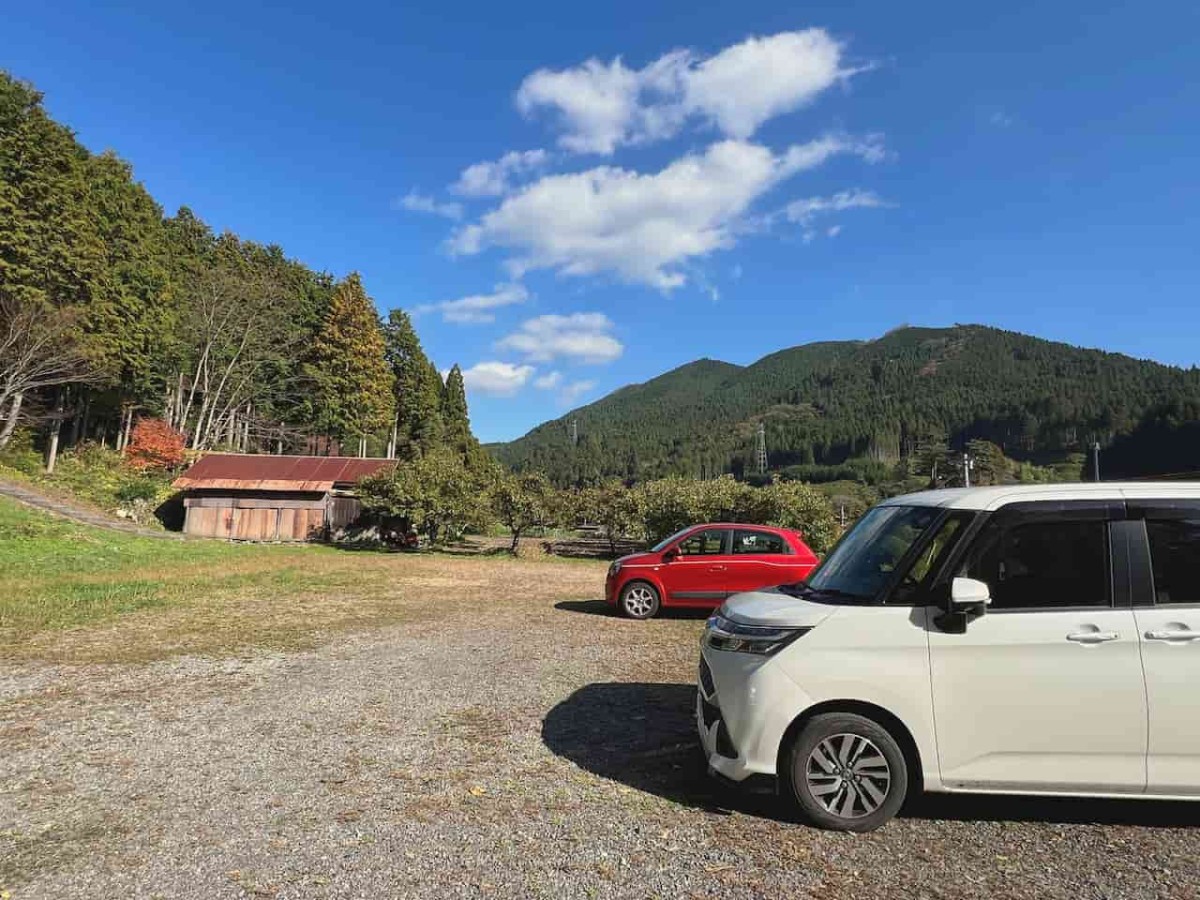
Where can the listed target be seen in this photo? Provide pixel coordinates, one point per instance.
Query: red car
(703, 564)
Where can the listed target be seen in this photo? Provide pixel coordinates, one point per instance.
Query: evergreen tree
(455, 422)
(348, 369)
(417, 389)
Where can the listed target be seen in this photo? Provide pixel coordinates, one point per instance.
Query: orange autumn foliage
(154, 445)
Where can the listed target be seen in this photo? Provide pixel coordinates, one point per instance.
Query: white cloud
(493, 179)
(567, 393)
(643, 227)
(833, 231)
(582, 337)
(603, 106)
(570, 393)
(500, 379)
(415, 201)
(805, 210)
(478, 308)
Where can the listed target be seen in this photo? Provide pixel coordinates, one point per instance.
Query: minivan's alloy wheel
(848, 775)
(846, 772)
(639, 600)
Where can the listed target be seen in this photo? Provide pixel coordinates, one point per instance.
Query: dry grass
(69, 594)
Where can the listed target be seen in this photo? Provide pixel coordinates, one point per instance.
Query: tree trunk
(128, 427)
(55, 431)
(86, 417)
(515, 541)
(10, 424)
(76, 421)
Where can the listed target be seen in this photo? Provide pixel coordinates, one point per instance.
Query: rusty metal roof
(262, 472)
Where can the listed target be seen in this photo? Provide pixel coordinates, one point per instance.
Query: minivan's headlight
(725, 634)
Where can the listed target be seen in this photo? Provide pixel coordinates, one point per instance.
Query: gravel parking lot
(532, 747)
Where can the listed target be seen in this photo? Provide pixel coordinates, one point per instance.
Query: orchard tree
(613, 507)
(348, 370)
(523, 500)
(435, 492)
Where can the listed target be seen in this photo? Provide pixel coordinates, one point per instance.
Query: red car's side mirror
(670, 554)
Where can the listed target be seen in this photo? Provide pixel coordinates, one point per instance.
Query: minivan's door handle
(1092, 637)
(1180, 635)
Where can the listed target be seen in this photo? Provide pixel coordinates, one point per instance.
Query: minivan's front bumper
(744, 706)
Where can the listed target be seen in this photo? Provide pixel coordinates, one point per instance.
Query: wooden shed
(272, 498)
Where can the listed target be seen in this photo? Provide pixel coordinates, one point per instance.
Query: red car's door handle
(716, 568)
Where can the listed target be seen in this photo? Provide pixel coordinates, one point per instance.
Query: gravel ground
(534, 749)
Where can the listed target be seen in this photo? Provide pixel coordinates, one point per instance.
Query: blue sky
(669, 181)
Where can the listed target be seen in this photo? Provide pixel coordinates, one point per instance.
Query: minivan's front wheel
(639, 600)
(846, 772)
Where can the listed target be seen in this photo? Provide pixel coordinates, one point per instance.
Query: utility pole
(760, 449)
(1096, 461)
(968, 465)
(574, 432)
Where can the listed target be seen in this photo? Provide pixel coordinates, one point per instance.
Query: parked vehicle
(703, 564)
(1032, 640)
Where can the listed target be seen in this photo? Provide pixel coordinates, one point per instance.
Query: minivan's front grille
(706, 679)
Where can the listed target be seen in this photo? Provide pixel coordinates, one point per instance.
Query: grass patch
(74, 594)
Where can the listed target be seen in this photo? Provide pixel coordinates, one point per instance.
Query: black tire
(858, 787)
(640, 600)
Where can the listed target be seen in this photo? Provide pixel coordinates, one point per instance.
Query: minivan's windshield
(863, 561)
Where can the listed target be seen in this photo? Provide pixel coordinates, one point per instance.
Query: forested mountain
(912, 392)
(111, 311)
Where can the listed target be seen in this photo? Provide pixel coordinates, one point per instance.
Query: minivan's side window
(758, 542)
(710, 542)
(1055, 562)
(1175, 557)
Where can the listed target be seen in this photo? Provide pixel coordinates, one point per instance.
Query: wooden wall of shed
(256, 518)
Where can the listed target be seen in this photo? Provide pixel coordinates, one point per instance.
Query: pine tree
(455, 421)
(417, 389)
(352, 381)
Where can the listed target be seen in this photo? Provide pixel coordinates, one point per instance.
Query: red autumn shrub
(154, 445)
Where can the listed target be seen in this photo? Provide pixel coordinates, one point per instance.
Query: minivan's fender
(875, 655)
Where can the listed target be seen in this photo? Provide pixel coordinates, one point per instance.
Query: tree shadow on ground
(600, 608)
(644, 736)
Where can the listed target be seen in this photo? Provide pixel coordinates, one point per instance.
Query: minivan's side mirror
(969, 595)
(968, 599)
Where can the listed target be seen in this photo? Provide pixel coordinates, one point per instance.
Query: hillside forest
(896, 413)
(111, 312)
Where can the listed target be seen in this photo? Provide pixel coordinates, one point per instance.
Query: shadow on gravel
(1056, 810)
(644, 736)
(600, 608)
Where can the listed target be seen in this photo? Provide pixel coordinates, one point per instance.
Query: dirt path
(76, 512)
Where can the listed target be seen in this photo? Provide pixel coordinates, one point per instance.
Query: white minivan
(1027, 639)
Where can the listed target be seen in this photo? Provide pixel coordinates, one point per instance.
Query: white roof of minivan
(987, 498)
